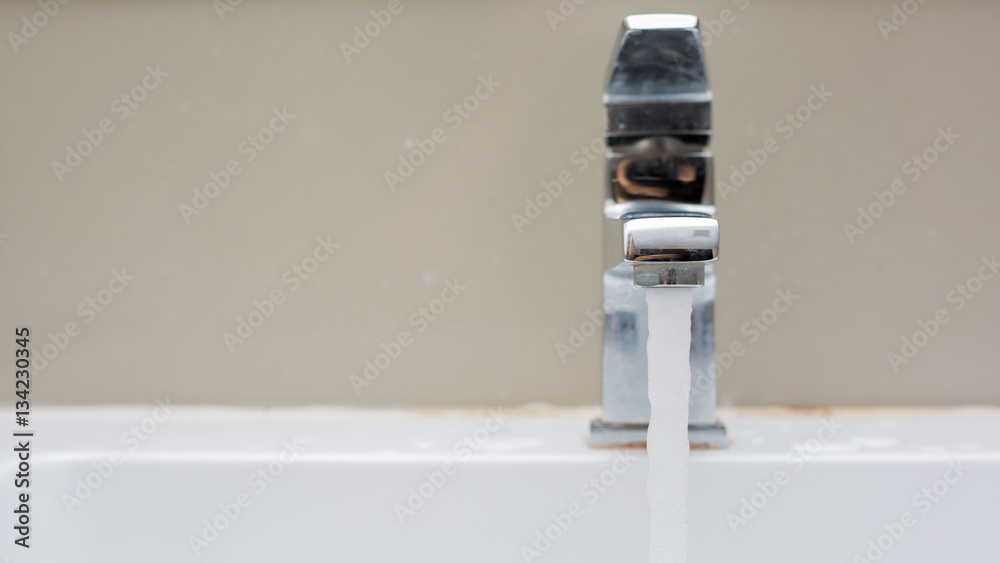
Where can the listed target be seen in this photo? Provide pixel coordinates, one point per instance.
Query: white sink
(338, 499)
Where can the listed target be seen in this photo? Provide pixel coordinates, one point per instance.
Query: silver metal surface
(668, 275)
(660, 228)
(624, 397)
(603, 435)
(659, 176)
(671, 239)
(656, 83)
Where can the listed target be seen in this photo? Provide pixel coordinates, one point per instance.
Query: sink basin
(172, 483)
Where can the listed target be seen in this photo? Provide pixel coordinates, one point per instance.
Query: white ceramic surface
(335, 496)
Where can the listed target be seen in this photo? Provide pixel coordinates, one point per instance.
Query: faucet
(660, 228)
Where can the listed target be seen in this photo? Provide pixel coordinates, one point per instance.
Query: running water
(668, 351)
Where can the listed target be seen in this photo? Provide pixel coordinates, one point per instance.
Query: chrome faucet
(660, 228)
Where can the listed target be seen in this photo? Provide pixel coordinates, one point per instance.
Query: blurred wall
(133, 270)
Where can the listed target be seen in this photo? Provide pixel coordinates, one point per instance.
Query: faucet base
(603, 435)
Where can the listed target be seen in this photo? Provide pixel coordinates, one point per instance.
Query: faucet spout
(660, 227)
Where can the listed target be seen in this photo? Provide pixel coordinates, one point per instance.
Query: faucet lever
(656, 83)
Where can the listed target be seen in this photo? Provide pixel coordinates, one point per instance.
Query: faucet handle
(656, 83)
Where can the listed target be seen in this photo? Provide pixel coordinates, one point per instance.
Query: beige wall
(323, 175)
